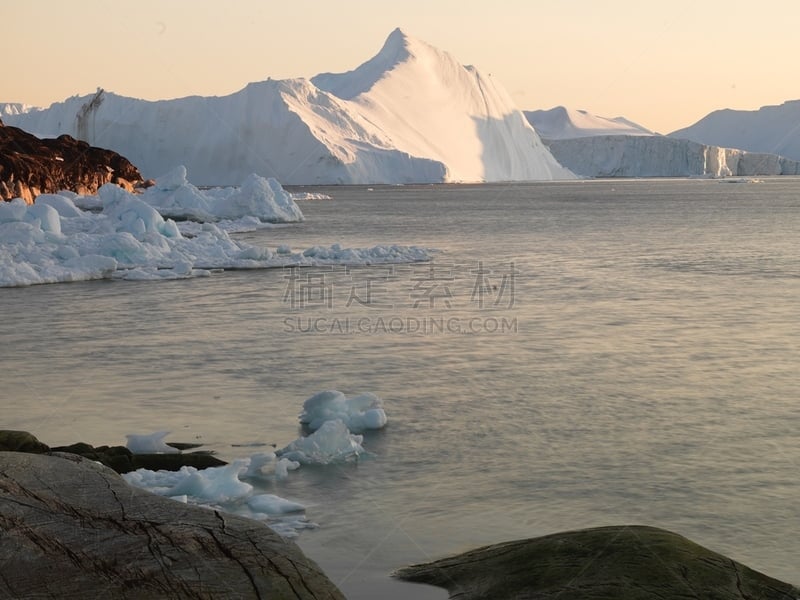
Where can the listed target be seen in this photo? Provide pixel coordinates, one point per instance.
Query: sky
(664, 65)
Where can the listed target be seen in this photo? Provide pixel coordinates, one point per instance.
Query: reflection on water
(650, 375)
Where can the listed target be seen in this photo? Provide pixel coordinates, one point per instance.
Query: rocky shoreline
(118, 458)
(30, 166)
(71, 527)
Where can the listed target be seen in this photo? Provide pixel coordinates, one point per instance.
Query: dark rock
(21, 441)
(123, 460)
(619, 563)
(30, 166)
(183, 445)
(173, 462)
(118, 458)
(71, 528)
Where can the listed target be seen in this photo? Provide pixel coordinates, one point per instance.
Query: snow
(55, 241)
(13, 108)
(768, 130)
(358, 413)
(561, 123)
(353, 128)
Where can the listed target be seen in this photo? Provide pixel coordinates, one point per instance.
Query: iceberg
(359, 127)
(561, 123)
(768, 130)
(593, 146)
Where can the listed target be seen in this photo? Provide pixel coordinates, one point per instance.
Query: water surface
(578, 354)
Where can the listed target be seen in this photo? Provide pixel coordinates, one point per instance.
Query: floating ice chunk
(270, 504)
(331, 443)
(259, 197)
(310, 196)
(358, 413)
(149, 443)
(267, 464)
(213, 485)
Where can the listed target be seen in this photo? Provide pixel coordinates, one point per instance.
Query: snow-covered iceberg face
(55, 241)
(358, 413)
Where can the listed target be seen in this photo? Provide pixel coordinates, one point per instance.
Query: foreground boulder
(30, 166)
(71, 528)
(619, 563)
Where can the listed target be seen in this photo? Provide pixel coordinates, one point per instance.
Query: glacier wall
(659, 156)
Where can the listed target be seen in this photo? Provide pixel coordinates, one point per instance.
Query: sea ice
(123, 236)
(258, 198)
(358, 413)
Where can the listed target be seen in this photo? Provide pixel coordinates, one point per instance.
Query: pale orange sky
(662, 66)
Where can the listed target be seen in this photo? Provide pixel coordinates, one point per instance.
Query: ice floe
(118, 235)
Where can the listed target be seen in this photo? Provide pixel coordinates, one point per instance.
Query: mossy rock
(21, 441)
(619, 563)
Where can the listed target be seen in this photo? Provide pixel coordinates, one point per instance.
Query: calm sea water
(578, 354)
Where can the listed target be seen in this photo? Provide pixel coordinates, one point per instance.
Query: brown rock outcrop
(30, 166)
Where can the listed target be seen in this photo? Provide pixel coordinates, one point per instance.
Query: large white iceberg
(411, 114)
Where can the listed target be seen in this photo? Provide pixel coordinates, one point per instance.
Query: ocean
(577, 354)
